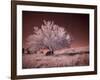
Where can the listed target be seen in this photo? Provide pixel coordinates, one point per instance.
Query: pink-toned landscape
(55, 39)
(61, 58)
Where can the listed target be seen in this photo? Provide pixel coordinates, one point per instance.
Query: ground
(65, 59)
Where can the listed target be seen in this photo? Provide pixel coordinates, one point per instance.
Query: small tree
(50, 36)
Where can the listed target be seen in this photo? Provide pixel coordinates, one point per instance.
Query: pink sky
(76, 24)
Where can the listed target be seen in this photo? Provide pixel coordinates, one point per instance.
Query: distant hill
(73, 50)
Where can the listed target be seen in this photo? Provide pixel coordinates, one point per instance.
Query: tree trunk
(49, 53)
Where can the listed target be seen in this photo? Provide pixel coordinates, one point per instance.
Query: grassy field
(65, 59)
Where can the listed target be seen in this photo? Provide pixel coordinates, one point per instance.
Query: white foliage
(50, 36)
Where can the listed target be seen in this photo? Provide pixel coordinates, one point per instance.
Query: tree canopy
(49, 35)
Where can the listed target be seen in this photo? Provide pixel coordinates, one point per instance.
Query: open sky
(76, 24)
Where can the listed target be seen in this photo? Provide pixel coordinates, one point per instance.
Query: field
(61, 58)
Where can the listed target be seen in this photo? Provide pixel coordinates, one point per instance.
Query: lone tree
(50, 36)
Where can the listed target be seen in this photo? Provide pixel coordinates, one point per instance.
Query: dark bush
(49, 53)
